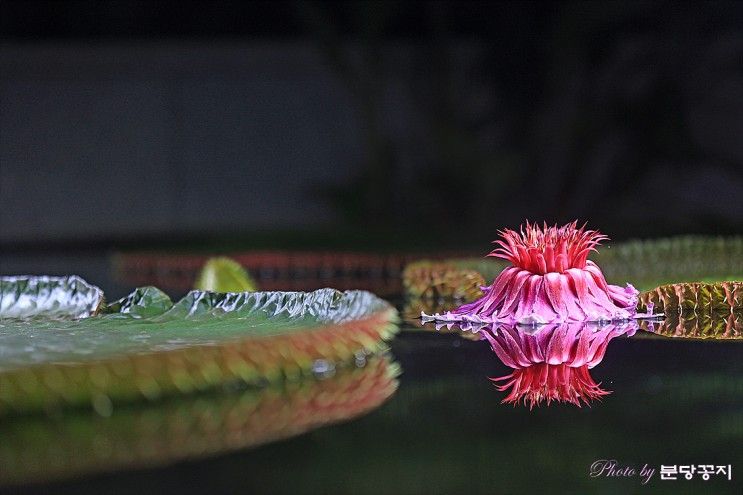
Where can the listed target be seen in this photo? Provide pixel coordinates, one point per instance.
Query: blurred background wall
(126, 138)
(126, 123)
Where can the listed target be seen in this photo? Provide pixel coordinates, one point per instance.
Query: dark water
(673, 402)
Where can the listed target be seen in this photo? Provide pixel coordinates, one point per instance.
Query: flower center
(542, 250)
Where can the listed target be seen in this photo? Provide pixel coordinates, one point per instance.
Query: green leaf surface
(650, 263)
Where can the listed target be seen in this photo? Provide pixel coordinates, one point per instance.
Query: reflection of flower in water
(551, 363)
(550, 280)
(550, 382)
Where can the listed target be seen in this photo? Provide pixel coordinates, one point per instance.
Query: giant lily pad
(145, 347)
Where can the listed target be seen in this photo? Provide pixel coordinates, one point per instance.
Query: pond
(424, 419)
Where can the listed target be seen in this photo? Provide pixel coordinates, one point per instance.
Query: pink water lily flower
(552, 363)
(551, 280)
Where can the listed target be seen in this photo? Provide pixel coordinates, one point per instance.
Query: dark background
(212, 125)
(135, 124)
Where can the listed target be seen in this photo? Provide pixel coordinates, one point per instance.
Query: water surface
(672, 401)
